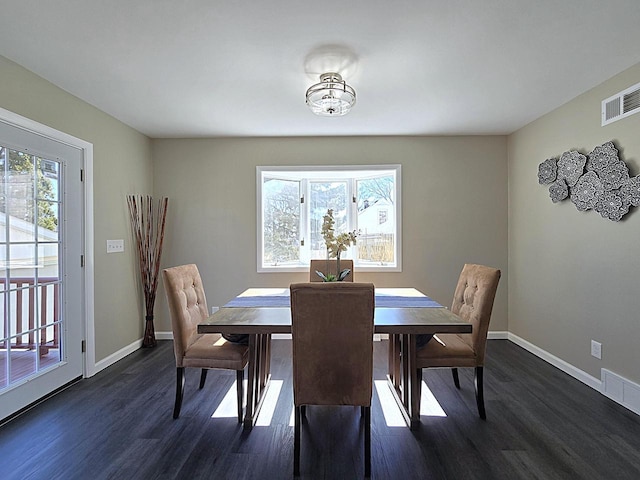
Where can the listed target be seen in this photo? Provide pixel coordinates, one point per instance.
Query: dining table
(402, 313)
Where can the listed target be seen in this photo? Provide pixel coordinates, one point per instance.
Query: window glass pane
(281, 221)
(3, 364)
(4, 331)
(376, 220)
(49, 346)
(22, 316)
(21, 230)
(22, 362)
(22, 260)
(325, 196)
(47, 221)
(48, 188)
(49, 303)
(48, 261)
(18, 179)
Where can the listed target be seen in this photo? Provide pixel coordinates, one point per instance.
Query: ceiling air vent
(621, 105)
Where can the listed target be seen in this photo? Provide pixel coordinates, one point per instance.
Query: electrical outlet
(596, 349)
(214, 310)
(115, 246)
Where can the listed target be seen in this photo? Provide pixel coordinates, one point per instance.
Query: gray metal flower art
(605, 162)
(611, 205)
(571, 166)
(602, 156)
(547, 171)
(558, 191)
(614, 175)
(630, 191)
(586, 192)
(605, 186)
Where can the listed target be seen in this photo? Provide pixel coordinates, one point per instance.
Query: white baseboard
(576, 373)
(119, 355)
(619, 389)
(164, 335)
(496, 335)
(123, 352)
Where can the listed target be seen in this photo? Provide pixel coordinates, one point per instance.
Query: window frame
(307, 174)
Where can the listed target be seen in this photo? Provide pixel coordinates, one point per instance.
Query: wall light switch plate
(115, 246)
(596, 349)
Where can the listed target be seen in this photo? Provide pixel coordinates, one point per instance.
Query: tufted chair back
(473, 301)
(187, 306)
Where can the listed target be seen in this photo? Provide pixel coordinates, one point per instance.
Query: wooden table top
(396, 320)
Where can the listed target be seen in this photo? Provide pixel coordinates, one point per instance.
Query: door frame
(11, 118)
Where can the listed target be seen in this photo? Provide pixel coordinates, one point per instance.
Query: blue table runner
(388, 301)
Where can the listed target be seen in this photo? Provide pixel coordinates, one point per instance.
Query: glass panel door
(29, 266)
(41, 285)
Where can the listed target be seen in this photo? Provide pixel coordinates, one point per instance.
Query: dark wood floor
(541, 424)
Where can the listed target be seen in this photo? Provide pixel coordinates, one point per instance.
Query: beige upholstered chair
(473, 301)
(332, 331)
(321, 266)
(188, 307)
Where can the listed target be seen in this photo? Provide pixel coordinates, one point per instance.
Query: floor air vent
(621, 105)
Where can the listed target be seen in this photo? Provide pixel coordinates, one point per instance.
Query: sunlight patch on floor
(269, 404)
(429, 406)
(229, 406)
(392, 415)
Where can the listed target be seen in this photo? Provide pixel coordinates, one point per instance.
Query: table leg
(403, 377)
(251, 380)
(259, 376)
(394, 360)
(414, 383)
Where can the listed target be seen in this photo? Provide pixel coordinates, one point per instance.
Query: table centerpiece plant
(335, 246)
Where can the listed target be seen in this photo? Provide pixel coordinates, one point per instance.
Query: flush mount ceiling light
(332, 97)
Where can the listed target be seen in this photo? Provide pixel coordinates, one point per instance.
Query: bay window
(293, 200)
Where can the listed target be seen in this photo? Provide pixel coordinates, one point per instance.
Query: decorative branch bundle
(147, 222)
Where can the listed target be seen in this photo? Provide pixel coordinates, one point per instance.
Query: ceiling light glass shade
(332, 97)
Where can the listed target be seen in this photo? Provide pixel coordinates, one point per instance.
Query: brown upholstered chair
(188, 307)
(332, 331)
(473, 301)
(321, 266)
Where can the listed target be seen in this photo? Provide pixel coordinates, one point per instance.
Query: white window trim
(260, 170)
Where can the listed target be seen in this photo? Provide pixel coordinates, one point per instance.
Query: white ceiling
(192, 68)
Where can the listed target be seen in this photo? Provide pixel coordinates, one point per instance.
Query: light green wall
(122, 164)
(575, 276)
(454, 207)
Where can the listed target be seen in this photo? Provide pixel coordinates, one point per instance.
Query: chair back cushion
(332, 331)
(473, 301)
(321, 266)
(187, 306)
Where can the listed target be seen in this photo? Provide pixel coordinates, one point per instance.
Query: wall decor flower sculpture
(599, 181)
